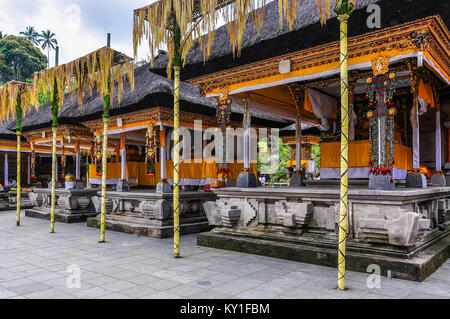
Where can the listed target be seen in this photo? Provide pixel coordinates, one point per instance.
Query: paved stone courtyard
(35, 263)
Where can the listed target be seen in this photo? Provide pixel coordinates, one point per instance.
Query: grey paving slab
(29, 288)
(35, 263)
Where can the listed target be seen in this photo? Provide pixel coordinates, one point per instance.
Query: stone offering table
(4, 201)
(25, 201)
(74, 205)
(148, 213)
(404, 230)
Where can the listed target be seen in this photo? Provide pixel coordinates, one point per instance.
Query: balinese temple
(284, 85)
(140, 166)
(398, 154)
(8, 166)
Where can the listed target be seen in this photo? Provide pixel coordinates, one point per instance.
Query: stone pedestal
(381, 182)
(438, 179)
(25, 201)
(79, 184)
(416, 181)
(404, 230)
(246, 179)
(72, 205)
(163, 187)
(148, 213)
(123, 186)
(4, 201)
(297, 179)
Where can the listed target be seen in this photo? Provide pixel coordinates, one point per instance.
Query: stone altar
(148, 213)
(72, 205)
(405, 230)
(25, 201)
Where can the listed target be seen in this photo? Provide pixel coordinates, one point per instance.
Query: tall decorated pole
(98, 69)
(19, 133)
(55, 124)
(106, 105)
(176, 138)
(343, 9)
(14, 99)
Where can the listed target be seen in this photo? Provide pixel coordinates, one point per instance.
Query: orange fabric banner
(162, 139)
(77, 146)
(426, 93)
(122, 141)
(358, 155)
(138, 170)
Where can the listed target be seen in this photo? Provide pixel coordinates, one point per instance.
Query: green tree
(315, 150)
(2, 35)
(267, 161)
(21, 59)
(48, 42)
(32, 35)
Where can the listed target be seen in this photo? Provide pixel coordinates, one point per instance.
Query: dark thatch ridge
(307, 32)
(5, 133)
(150, 90)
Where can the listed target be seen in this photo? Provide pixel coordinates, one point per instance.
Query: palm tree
(48, 42)
(2, 35)
(32, 35)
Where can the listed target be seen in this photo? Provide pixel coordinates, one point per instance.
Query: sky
(80, 25)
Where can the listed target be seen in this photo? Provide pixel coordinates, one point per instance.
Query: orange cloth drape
(138, 170)
(358, 155)
(426, 93)
(304, 163)
(308, 106)
(122, 141)
(77, 146)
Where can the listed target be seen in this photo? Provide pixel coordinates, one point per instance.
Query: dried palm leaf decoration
(8, 98)
(197, 20)
(93, 69)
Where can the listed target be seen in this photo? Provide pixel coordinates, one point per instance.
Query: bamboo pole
(176, 160)
(343, 9)
(176, 138)
(52, 202)
(106, 105)
(18, 132)
(55, 125)
(104, 165)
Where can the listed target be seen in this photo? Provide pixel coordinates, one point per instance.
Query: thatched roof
(150, 90)
(307, 32)
(5, 132)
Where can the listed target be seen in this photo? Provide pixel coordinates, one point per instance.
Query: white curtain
(323, 106)
(419, 108)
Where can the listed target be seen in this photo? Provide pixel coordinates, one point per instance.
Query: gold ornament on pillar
(33, 161)
(150, 151)
(63, 159)
(223, 117)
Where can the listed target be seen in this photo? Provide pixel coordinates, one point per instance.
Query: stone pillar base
(246, 179)
(123, 186)
(297, 179)
(438, 179)
(163, 187)
(381, 182)
(416, 180)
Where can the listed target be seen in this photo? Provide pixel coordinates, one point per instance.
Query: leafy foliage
(20, 59)
(315, 150)
(267, 162)
(31, 35)
(48, 42)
